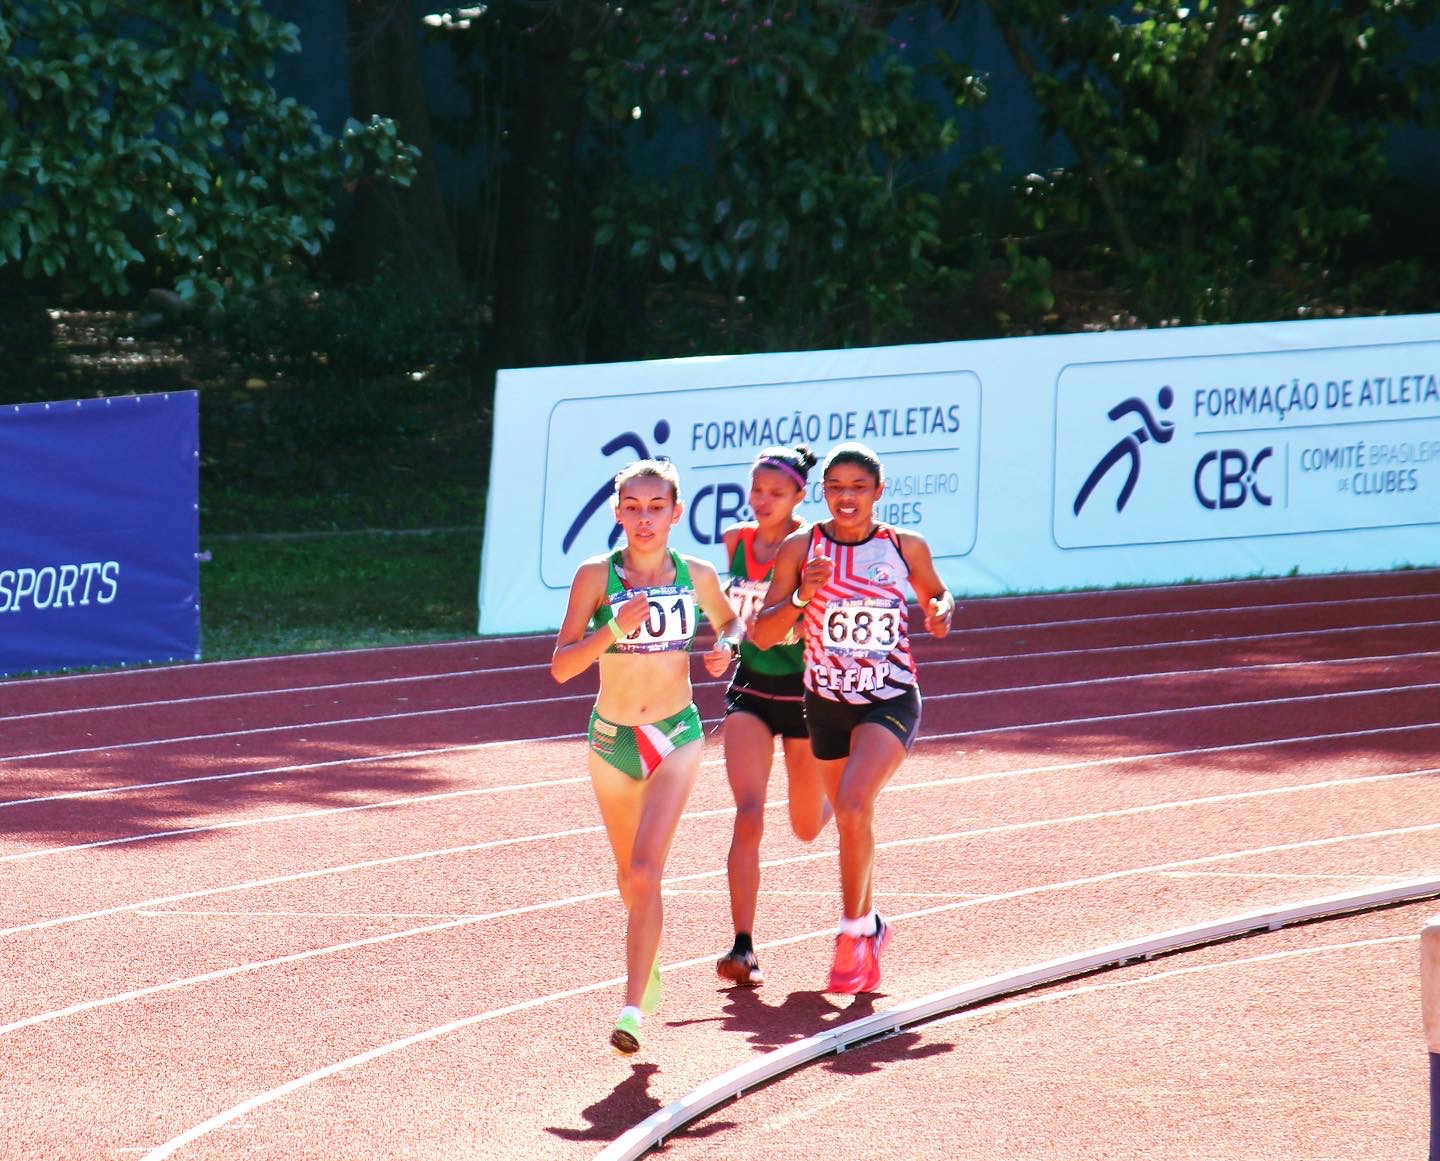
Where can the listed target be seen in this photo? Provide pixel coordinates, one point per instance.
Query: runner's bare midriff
(636, 689)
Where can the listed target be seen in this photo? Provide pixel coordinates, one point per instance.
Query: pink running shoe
(877, 944)
(853, 964)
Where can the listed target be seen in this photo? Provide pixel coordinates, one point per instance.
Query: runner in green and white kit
(634, 614)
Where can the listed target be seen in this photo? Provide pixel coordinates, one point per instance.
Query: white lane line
(929, 784)
(187, 914)
(223, 1118)
(1121, 812)
(299, 876)
(1001, 1007)
(1161, 868)
(1003, 828)
(401, 754)
(639, 1139)
(1171, 974)
(1187, 643)
(265, 820)
(311, 725)
(287, 658)
(318, 813)
(1268, 875)
(723, 892)
(1168, 614)
(1170, 674)
(219, 1121)
(296, 957)
(358, 760)
(486, 706)
(1297, 739)
(279, 691)
(1204, 707)
(931, 662)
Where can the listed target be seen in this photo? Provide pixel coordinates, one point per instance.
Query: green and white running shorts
(637, 750)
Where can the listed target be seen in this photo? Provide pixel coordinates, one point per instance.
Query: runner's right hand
(814, 576)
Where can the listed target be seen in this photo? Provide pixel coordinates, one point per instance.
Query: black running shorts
(830, 722)
(777, 701)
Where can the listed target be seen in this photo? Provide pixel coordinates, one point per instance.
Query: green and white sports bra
(670, 625)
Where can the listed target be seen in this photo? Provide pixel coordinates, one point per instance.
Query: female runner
(634, 611)
(843, 579)
(765, 698)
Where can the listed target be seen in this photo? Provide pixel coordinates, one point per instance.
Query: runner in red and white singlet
(857, 639)
(841, 580)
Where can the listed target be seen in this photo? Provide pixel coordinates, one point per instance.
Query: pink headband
(772, 462)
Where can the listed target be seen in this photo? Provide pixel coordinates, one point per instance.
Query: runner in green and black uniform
(765, 700)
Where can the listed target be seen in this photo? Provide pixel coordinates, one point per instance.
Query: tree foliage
(1219, 143)
(811, 189)
(147, 135)
(775, 169)
(789, 171)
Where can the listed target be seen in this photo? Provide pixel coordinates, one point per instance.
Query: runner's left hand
(718, 659)
(938, 611)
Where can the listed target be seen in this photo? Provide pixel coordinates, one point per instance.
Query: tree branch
(1088, 159)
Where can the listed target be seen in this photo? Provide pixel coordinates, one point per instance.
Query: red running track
(359, 905)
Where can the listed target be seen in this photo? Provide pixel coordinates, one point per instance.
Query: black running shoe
(740, 967)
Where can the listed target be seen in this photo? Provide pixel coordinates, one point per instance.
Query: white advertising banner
(929, 424)
(1255, 444)
(1028, 464)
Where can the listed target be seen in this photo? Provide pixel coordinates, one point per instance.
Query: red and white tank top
(857, 639)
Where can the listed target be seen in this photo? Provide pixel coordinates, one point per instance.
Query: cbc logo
(1228, 478)
(715, 506)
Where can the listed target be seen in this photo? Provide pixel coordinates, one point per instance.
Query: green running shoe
(625, 1039)
(650, 1001)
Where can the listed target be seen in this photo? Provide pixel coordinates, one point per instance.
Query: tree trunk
(532, 307)
(407, 226)
(1094, 169)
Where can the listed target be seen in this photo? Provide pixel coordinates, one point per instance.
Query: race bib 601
(668, 626)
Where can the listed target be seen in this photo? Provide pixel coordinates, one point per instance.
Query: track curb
(652, 1131)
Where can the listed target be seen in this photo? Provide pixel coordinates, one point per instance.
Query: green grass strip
(264, 595)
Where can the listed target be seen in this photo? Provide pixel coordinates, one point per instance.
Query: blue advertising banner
(99, 532)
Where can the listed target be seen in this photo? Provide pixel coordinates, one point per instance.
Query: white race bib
(669, 625)
(748, 597)
(862, 625)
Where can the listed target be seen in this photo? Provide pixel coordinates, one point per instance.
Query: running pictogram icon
(1160, 431)
(636, 444)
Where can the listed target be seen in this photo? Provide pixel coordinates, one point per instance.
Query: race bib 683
(862, 625)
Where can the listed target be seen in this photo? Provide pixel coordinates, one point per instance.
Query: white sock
(632, 1010)
(867, 924)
